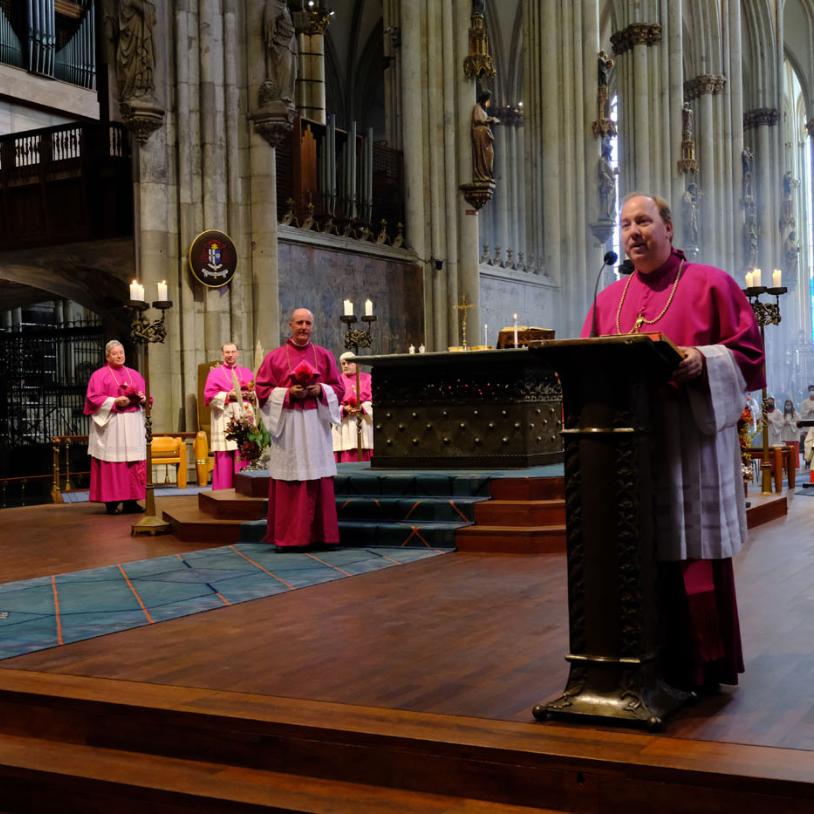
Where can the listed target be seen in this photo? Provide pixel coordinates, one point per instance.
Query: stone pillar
(311, 24)
(392, 72)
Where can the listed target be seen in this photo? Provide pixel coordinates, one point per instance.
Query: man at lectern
(700, 511)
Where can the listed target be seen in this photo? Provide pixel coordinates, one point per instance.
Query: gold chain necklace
(641, 320)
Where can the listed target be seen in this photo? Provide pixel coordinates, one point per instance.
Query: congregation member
(353, 404)
(774, 420)
(790, 432)
(807, 414)
(117, 446)
(228, 394)
(700, 511)
(299, 390)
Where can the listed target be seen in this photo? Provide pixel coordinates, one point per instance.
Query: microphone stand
(608, 260)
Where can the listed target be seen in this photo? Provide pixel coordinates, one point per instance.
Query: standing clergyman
(228, 395)
(299, 390)
(700, 511)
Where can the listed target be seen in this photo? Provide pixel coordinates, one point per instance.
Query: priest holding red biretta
(299, 390)
(700, 508)
(117, 445)
(229, 393)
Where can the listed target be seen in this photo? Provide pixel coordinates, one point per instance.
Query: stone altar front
(467, 410)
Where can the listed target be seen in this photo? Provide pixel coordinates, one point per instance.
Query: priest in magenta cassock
(346, 443)
(116, 444)
(700, 511)
(228, 395)
(299, 389)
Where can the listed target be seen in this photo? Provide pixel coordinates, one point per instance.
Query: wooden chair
(204, 462)
(166, 451)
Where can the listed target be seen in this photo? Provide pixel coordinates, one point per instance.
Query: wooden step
(527, 488)
(43, 776)
(227, 504)
(520, 512)
(192, 525)
(142, 739)
(549, 539)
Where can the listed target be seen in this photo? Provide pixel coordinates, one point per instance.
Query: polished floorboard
(479, 635)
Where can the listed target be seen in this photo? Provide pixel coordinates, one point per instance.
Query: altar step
(75, 744)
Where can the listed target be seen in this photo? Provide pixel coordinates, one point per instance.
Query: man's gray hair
(112, 344)
(299, 308)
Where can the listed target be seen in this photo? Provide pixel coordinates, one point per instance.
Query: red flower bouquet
(131, 393)
(304, 374)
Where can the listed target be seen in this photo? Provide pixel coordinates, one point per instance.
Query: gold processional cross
(463, 306)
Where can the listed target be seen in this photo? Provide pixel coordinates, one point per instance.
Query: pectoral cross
(638, 324)
(463, 306)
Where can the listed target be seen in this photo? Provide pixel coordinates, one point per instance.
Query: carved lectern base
(631, 694)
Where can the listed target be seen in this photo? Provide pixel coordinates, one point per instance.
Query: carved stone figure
(746, 164)
(606, 176)
(750, 235)
(135, 54)
(791, 251)
(483, 150)
(280, 48)
(604, 64)
(687, 126)
(690, 202)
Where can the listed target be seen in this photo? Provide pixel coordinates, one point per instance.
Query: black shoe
(290, 549)
(131, 507)
(111, 507)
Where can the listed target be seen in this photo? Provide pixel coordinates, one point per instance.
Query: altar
(465, 410)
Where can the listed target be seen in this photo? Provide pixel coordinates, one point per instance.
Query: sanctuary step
(70, 743)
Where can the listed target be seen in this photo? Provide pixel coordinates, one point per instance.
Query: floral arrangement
(745, 438)
(249, 434)
(304, 374)
(131, 393)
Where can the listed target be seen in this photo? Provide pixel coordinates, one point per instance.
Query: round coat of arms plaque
(213, 258)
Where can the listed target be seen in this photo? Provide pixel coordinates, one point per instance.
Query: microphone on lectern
(608, 260)
(627, 267)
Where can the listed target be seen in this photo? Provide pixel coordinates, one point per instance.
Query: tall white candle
(777, 278)
(368, 308)
(348, 308)
(134, 290)
(514, 316)
(485, 334)
(411, 349)
(756, 275)
(748, 277)
(162, 291)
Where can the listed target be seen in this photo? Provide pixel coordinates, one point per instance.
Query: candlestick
(348, 308)
(368, 308)
(162, 291)
(756, 275)
(777, 278)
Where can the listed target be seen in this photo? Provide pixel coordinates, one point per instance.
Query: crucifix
(463, 307)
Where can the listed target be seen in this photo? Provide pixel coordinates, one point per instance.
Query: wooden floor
(475, 635)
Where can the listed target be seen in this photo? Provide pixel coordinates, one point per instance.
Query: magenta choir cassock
(700, 507)
(345, 439)
(116, 443)
(302, 507)
(219, 396)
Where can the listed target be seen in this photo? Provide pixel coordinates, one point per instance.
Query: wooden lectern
(609, 385)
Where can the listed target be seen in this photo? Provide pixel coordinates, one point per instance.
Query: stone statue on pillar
(690, 204)
(750, 234)
(131, 31)
(482, 186)
(688, 162)
(483, 150)
(787, 219)
(746, 166)
(603, 126)
(280, 50)
(791, 252)
(606, 175)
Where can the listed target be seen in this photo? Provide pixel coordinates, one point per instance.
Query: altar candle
(411, 349)
(368, 308)
(756, 275)
(421, 349)
(162, 291)
(777, 278)
(748, 279)
(141, 292)
(134, 290)
(348, 308)
(514, 316)
(485, 334)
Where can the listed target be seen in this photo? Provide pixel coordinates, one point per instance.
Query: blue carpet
(36, 614)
